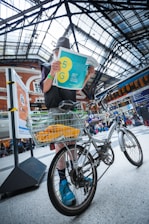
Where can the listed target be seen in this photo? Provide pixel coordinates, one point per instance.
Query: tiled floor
(122, 195)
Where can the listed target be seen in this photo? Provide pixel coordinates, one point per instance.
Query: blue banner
(141, 97)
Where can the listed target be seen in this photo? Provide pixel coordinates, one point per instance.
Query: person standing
(124, 119)
(53, 96)
(144, 113)
(3, 151)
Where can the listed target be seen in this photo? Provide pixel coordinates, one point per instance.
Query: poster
(20, 104)
(73, 70)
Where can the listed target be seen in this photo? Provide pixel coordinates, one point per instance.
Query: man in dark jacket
(53, 96)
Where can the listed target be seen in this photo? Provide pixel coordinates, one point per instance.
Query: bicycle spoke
(77, 178)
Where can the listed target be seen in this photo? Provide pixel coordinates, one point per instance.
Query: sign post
(30, 172)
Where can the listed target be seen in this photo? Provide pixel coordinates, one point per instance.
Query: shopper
(53, 96)
(3, 150)
(143, 111)
(136, 119)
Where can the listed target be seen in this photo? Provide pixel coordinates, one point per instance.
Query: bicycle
(80, 162)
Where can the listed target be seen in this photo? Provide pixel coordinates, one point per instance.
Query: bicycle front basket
(46, 127)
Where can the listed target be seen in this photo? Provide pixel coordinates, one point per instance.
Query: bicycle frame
(98, 144)
(82, 157)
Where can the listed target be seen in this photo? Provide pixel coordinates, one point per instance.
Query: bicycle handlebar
(68, 105)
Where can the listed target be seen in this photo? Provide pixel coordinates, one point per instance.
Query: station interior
(113, 33)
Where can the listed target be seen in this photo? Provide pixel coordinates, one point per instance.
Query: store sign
(142, 96)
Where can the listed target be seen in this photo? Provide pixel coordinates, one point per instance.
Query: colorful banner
(73, 70)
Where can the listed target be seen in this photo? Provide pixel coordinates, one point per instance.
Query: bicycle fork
(121, 139)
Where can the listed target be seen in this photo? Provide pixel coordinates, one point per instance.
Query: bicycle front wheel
(132, 148)
(79, 165)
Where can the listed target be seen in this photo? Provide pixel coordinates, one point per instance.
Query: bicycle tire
(132, 149)
(83, 196)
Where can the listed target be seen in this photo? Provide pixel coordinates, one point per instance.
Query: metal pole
(31, 147)
(15, 142)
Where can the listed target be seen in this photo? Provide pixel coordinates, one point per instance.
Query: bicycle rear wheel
(132, 148)
(84, 193)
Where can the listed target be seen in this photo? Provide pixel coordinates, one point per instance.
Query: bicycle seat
(67, 105)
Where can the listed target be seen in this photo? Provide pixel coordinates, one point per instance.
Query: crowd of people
(96, 124)
(7, 147)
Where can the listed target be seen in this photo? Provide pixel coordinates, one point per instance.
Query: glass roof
(115, 33)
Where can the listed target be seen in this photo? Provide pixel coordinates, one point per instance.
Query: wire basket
(47, 127)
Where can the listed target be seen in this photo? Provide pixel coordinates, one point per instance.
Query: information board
(21, 106)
